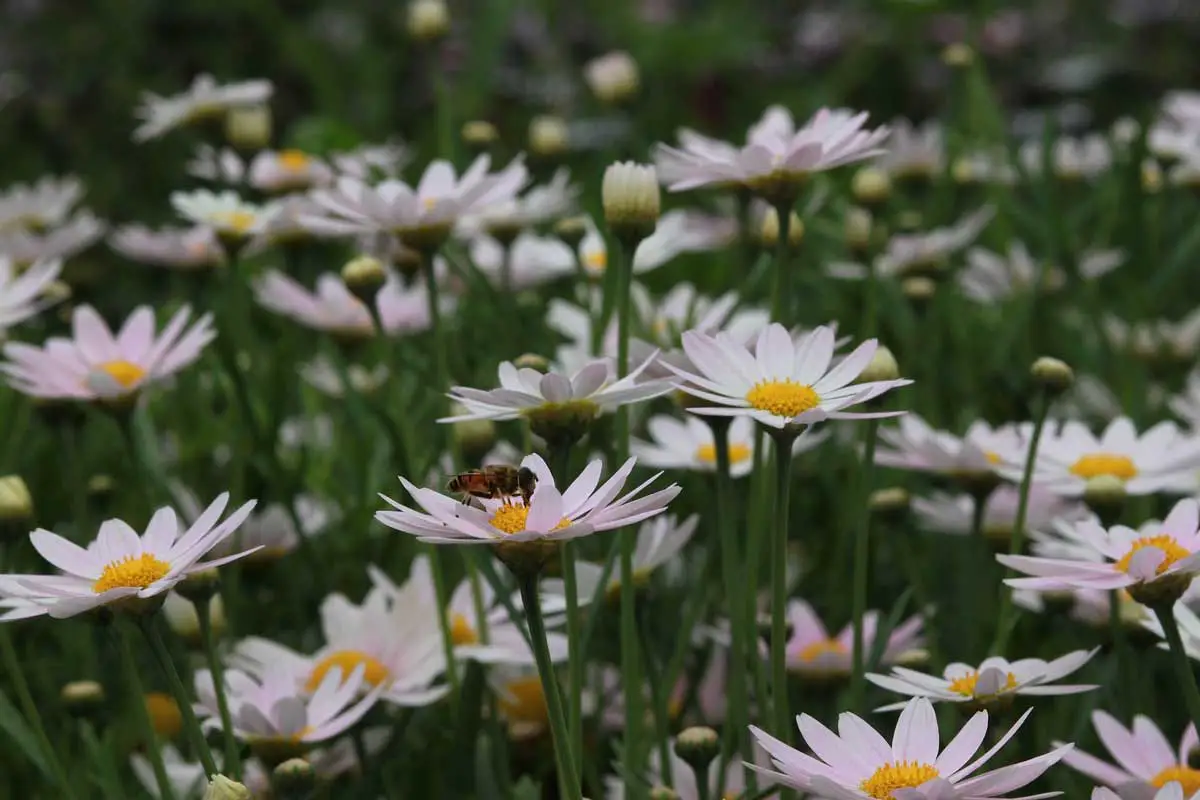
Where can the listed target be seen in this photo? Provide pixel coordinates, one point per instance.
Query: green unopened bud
(632, 202)
(913, 658)
(958, 55)
(222, 788)
(768, 231)
(918, 289)
(871, 186)
(571, 230)
(663, 793)
(56, 292)
(698, 746)
(532, 361)
(248, 127)
(857, 230)
(1053, 375)
(82, 698)
(1152, 178)
(548, 136)
(613, 78)
(882, 367)
(428, 20)
(887, 502)
(295, 777)
(182, 618)
(480, 134)
(364, 277)
(16, 504)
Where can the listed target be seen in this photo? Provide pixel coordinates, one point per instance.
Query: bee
(494, 481)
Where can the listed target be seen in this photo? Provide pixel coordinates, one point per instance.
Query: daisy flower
(533, 260)
(1156, 339)
(194, 248)
(434, 206)
(913, 444)
(393, 638)
(856, 762)
(683, 778)
(277, 171)
(219, 166)
(22, 294)
(1150, 567)
(270, 531)
(282, 223)
(1070, 158)
(204, 98)
(779, 157)
(950, 513)
(1172, 791)
(914, 152)
(995, 679)
(1143, 754)
(537, 206)
(325, 377)
(659, 542)
(775, 122)
(96, 365)
(25, 246)
(688, 444)
(812, 652)
(367, 161)
(551, 515)
(224, 212)
(276, 717)
(41, 205)
(913, 253)
(783, 382)
(187, 778)
(332, 308)
(1070, 455)
(990, 277)
(591, 391)
(1091, 607)
(521, 701)
(119, 567)
(677, 232)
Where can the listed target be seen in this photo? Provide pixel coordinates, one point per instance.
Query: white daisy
(219, 166)
(186, 778)
(1070, 158)
(225, 212)
(994, 679)
(22, 295)
(914, 445)
(659, 542)
(369, 161)
(1156, 339)
(325, 377)
(194, 248)
(278, 171)
(552, 515)
(990, 277)
(25, 246)
(533, 260)
(914, 152)
(537, 206)
(908, 253)
(947, 513)
(688, 444)
(204, 98)
(120, 567)
(783, 382)
(41, 205)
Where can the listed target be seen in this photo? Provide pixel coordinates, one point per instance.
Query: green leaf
(13, 724)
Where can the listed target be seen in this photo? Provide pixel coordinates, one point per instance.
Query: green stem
(1017, 541)
(558, 724)
(435, 321)
(862, 544)
(781, 283)
(703, 787)
(1120, 642)
(659, 695)
(560, 464)
(110, 784)
(233, 761)
(779, 678)
(150, 629)
(1183, 668)
(438, 568)
(30, 711)
(153, 751)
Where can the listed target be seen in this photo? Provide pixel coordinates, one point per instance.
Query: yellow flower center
(1185, 776)
(125, 373)
(707, 453)
(783, 398)
(523, 700)
(236, 221)
(131, 572)
(348, 660)
(1094, 465)
(596, 260)
(992, 458)
(429, 203)
(511, 517)
(461, 630)
(897, 775)
(966, 684)
(813, 651)
(164, 714)
(294, 160)
(1173, 551)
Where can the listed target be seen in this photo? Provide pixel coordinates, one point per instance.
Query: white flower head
(27, 245)
(204, 98)
(22, 295)
(688, 444)
(288, 171)
(225, 212)
(41, 205)
(195, 248)
(928, 251)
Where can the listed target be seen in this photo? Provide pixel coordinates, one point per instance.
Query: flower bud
(16, 504)
(698, 746)
(613, 78)
(882, 367)
(222, 788)
(885, 502)
(768, 232)
(1052, 375)
(364, 277)
(918, 289)
(1152, 177)
(295, 776)
(958, 55)
(181, 616)
(479, 134)
(857, 229)
(428, 20)
(663, 793)
(248, 127)
(571, 230)
(631, 198)
(199, 585)
(871, 186)
(82, 698)
(56, 292)
(548, 136)
(532, 361)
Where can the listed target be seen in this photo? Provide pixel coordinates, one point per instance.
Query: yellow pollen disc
(1172, 549)
(511, 517)
(237, 221)
(132, 572)
(164, 714)
(125, 373)
(966, 684)
(707, 453)
(429, 203)
(349, 660)
(811, 652)
(783, 398)
(596, 260)
(992, 458)
(897, 775)
(1094, 465)
(461, 631)
(293, 160)
(1185, 776)
(523, 700)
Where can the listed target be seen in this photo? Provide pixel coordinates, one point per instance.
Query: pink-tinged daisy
(581, 509)
(279, 171)
(1186, 404)
(914, 152)
(25, 246)
(539, 205)
(204, 98)
(22, 295)
(196, 248)
(779, 156)
(1172, 791)
(434, 206)
(949, 513)
(1144, 756)
(991, 277)
(1070, 455)
(688, 444)
(274, 716)
(333, 308)
(812, 652)
(913, 444)
(96, 365)
(994, 680)
(589, 392)
(775, 122)
(683, 779)
(119, 567)
(41, 205)
(1091, 607)
(919, 253)
(783, 382)
(677, 232)
(369, 161)
(857, 763)
(393, 637)
(1151, 567)
(533, 260)
(659, 543)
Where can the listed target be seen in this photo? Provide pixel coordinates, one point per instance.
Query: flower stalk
(781, 717)
(862, 544)
(1183, 667)
(233, 761)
